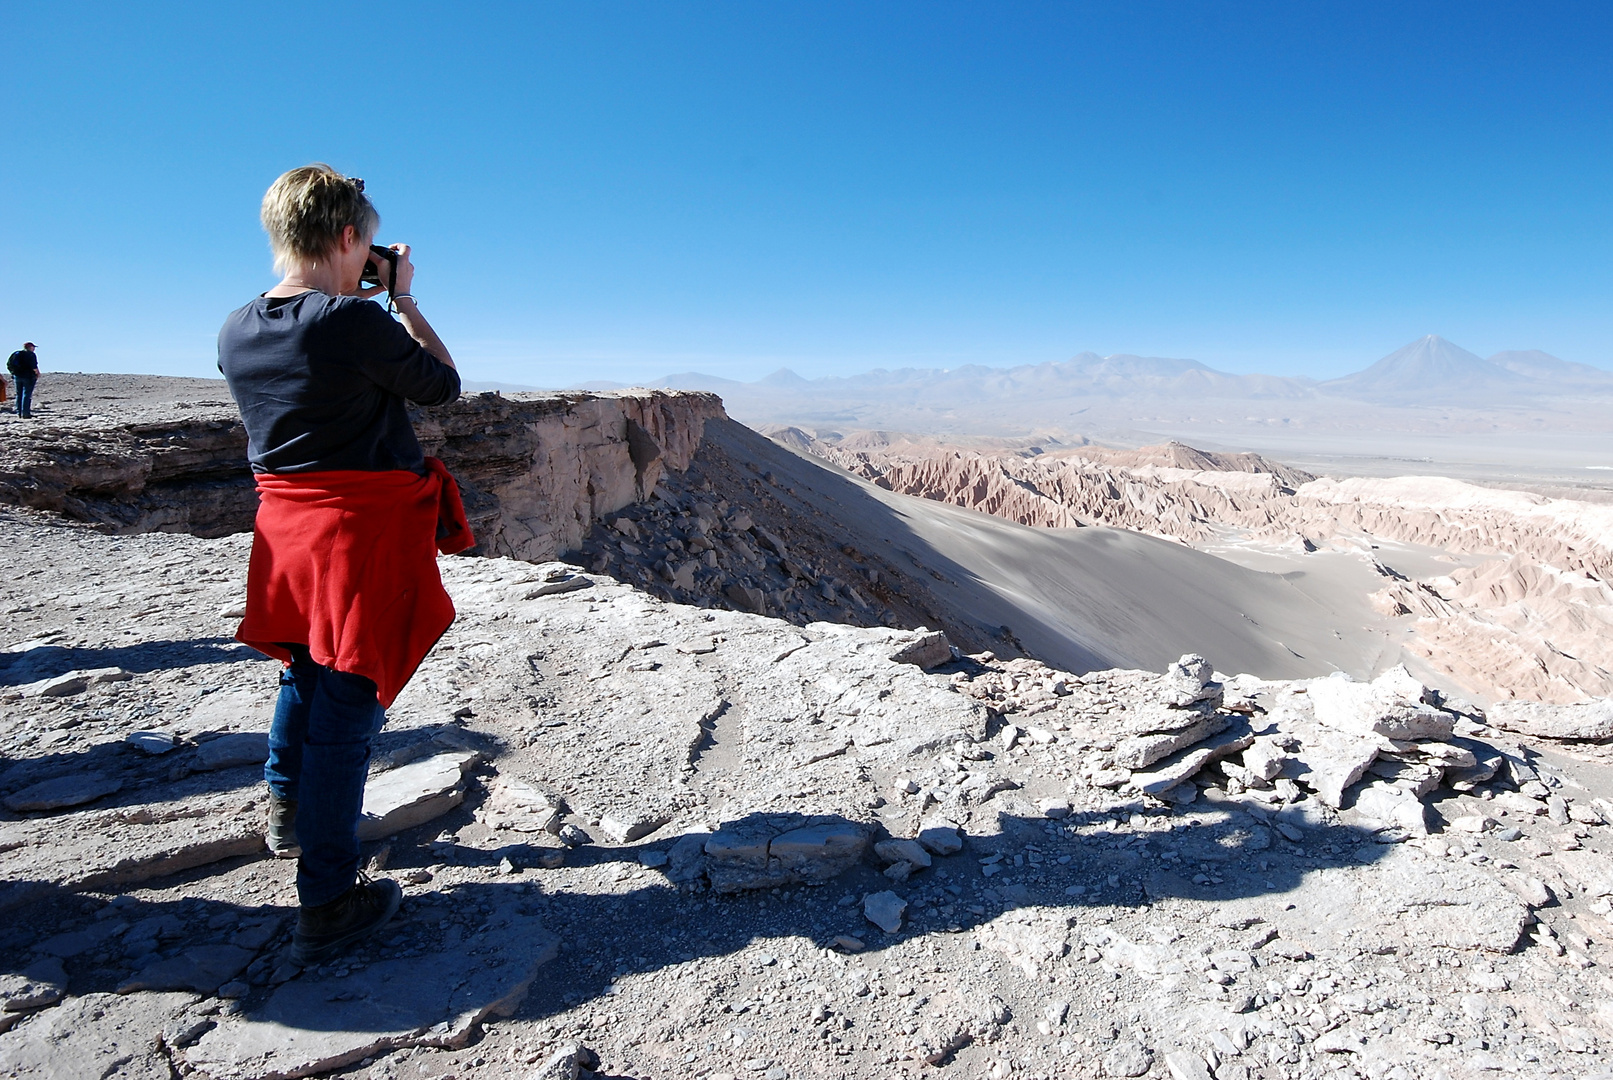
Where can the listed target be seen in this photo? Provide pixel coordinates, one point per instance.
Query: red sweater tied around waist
(345, 562)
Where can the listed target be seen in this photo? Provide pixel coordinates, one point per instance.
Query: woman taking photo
(343, 585)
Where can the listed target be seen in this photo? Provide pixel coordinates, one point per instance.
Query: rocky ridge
(536, 471)
(715, 842)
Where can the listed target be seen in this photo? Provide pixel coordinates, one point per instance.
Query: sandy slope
(1093, 597)
(1516, 607)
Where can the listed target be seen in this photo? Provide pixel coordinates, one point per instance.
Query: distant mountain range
(1430, 385)
(1429, 371)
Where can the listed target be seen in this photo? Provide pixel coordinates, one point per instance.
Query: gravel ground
(1249, 934)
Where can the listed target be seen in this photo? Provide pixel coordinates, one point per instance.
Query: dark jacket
(24, 363)
(323, 384)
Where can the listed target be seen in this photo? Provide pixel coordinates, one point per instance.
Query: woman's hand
(405, 275)
(405, 269)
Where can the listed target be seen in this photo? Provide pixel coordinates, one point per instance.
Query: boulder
(1266, 756)
(746, 598)
(940, 836)
(1392, 806)
(1190, 681)
(911, 851)
(1393, 705)
(151, 742)
(1328, 760)
(819, 852)
(752, 856)
(926, 650)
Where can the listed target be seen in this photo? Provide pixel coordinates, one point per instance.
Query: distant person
(343, 585)
(24, 367)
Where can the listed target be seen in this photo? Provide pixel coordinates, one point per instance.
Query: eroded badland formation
(741, 764)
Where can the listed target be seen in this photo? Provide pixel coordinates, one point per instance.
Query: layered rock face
(536, 470)
(1534, 621)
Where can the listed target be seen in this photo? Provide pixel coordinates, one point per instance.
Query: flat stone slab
(231, 709)
(1592, 720)
(754, 855)
(233, 750)
(624, 828)
(76, 942)
(119, 847)
(97, 1035)
(1406, 899)
(202, 969)
(312, 1025)
(75, 789)
(75, 682)
(521, 807)
(1185, 764)
(1170, 730)
(41, 983)
(415, 793)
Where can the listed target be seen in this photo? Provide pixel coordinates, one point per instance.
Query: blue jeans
(25, 394)
(319, 755)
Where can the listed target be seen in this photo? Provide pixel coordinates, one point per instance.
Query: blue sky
(611, 190)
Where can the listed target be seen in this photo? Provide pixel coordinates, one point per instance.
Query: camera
(372, 268)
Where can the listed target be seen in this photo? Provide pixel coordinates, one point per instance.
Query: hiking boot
(281, 835)
(326, 930)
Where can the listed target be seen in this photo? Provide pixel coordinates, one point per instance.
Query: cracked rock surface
(793, 852)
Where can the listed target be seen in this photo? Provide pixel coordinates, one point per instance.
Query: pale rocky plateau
(732, 766)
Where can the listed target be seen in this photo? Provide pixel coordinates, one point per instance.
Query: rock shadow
(49, 661)
(487, 939)
(668, 922)
(207, 763)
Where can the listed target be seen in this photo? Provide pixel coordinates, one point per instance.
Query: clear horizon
(833, 188)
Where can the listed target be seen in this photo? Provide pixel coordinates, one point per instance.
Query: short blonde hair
(306, 209)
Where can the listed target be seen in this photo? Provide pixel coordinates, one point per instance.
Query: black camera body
(372, 269)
